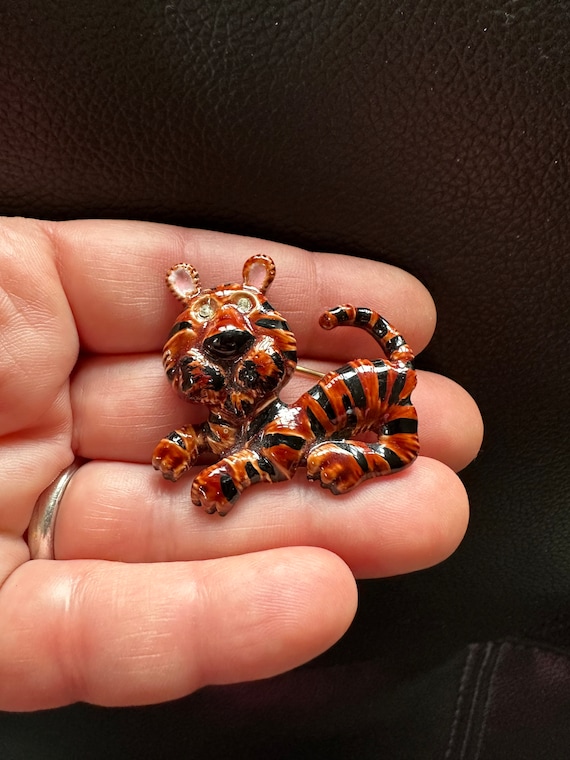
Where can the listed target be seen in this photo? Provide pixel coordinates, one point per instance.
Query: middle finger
(122, 407)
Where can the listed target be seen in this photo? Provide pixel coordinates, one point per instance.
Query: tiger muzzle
(228, 344)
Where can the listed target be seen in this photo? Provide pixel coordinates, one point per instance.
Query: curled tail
(389, 339)
(363, 397)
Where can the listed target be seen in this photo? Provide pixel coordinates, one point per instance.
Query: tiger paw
(214, 490)
(339, 466)
(171, 459)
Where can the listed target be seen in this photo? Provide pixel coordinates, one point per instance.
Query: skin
(146, 599)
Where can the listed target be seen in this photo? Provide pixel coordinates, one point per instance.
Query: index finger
(113, 273)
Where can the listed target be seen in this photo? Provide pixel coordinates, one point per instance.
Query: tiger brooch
(232, 351)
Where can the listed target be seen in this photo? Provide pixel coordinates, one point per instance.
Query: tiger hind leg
(342, 465)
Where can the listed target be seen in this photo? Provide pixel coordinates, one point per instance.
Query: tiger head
(229, 349)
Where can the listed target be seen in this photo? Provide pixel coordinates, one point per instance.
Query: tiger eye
(205, 310)
(244, 304)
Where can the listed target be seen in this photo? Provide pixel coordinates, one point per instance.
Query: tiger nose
(228, 344)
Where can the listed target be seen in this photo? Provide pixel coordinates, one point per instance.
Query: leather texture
(430, 134)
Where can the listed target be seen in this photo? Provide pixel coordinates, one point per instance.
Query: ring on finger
(41, 530)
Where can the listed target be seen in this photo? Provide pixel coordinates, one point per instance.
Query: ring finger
(124, 512)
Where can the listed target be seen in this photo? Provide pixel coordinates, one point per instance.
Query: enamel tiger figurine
(230, 350)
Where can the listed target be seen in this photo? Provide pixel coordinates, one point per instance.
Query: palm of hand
(145, 600)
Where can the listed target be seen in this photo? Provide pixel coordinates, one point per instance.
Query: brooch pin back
(233, 352)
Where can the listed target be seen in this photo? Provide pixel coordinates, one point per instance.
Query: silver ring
(42, 525)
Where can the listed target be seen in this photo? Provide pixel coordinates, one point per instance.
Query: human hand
(149, 598)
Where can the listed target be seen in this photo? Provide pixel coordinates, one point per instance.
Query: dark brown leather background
(432, 135)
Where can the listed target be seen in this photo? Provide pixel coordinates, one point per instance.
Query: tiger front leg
(218, 487)
(177, 452)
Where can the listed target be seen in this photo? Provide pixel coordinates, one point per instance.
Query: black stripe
(363, 316)
(265, 465)
(323, 401)
(340, 313)
(397, 388)
(272, 324)
(354, 385)
(177, 439)
(187, 382)
(380, 328)
(389, 456)
(401, 425)
(295, 442)
(396, 342)
(265, 307)
(277, 359)
(392, 458)
(356, 452)
(229, 488)
(382, 375)
(252, 473)
(290, 356)
(316, 427)
(216, 377)
(178, 327)
(264, 417)
(212, 433)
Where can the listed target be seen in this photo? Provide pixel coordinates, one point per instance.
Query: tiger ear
(183, 281)
(259, 272)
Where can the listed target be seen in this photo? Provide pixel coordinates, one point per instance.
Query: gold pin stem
(309, 371)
